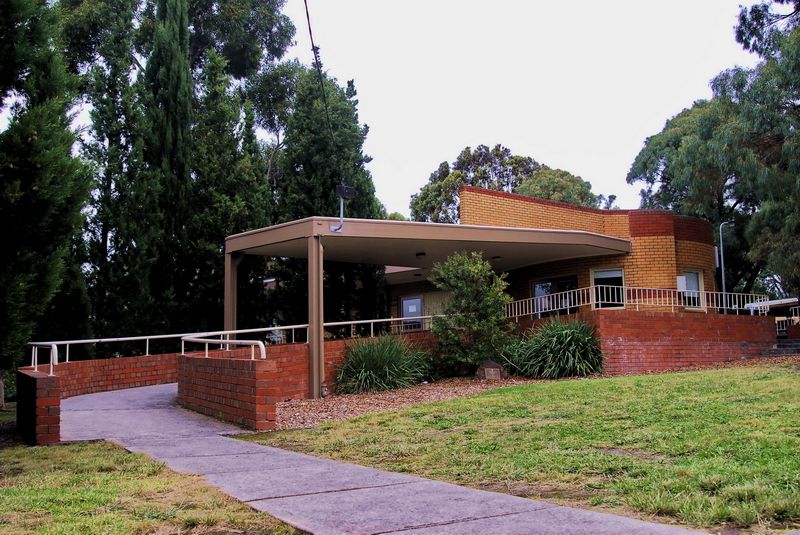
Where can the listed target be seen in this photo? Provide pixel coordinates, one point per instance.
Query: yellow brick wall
(697, 256)
(654, 261)
(490, 210)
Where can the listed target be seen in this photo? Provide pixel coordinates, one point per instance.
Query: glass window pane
(691, 297)
(692, 280)
(608, 288)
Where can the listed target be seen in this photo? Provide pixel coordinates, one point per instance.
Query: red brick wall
(236, 390)
(101, 375)
(245, 392)
(634, 341)
(663, 244)
(38, 407)
(793, 332)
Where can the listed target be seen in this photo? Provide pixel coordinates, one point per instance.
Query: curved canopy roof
(418, 245)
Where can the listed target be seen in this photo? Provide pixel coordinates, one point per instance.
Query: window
(554, 296)
(608, 288)
(692, 297)
(411, 307)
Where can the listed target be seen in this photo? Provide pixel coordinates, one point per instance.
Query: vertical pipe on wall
(722, 269)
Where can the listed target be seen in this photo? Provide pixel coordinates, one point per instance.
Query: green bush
(474, 324)
(556, 349)
(383, 363)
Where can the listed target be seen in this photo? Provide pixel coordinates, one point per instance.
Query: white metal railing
(53, 355)
(275, 335)
(604, 296)
(384, 326)
(780, 325)
(225, 341)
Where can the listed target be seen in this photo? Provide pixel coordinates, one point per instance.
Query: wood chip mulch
(304, 413)
(307, 413)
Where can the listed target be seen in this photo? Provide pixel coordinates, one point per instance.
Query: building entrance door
(411, 307)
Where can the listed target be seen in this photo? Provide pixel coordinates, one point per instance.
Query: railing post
(35, 358)
(66, 358)
(53, 358)
(147, 346)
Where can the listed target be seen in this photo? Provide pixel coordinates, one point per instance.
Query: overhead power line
(318, 65)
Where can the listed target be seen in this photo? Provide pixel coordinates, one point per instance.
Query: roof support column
(316, 332)
(232, 261)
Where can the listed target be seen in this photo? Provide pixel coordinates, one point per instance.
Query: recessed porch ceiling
(420, 245)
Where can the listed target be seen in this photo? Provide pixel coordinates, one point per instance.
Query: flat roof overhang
(419, 245)
(396, 243)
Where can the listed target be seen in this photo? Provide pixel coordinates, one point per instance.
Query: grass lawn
(101, 488)
(708, 448)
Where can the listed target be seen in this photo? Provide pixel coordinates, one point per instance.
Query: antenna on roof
(344, 192)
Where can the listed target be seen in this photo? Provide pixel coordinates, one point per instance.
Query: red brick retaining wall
(230, 386)
(38, 407)
(101, 375)
(39, 394)
(245, 392)
(649, 341)
(793, 332)
(232, 389)
(634, 341)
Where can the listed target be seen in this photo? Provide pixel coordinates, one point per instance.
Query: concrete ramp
(317, 495)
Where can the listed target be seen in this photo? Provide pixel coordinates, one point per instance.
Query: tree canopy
(493, 168)
(695, 166)
(43, 186)
(737, 157)
(497, 169)
(560, 185)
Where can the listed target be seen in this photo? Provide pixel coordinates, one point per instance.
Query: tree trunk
(2, 391)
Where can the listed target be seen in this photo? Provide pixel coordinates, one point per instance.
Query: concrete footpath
(317, 495)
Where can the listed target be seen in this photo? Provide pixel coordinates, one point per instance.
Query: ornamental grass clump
(557, 349)
(383, 363)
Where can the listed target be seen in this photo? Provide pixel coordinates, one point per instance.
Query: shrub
(474, 325)
(9, 390)
(383, 363)
(556, 349)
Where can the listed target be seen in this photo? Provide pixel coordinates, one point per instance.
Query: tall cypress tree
(114, 147)
(42, 186)
(230, 193)
(168, 104)
(318, 156)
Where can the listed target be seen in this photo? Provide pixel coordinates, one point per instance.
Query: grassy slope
(100, 488)
(706, 448)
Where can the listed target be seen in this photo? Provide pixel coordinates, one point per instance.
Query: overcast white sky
(576, 85)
